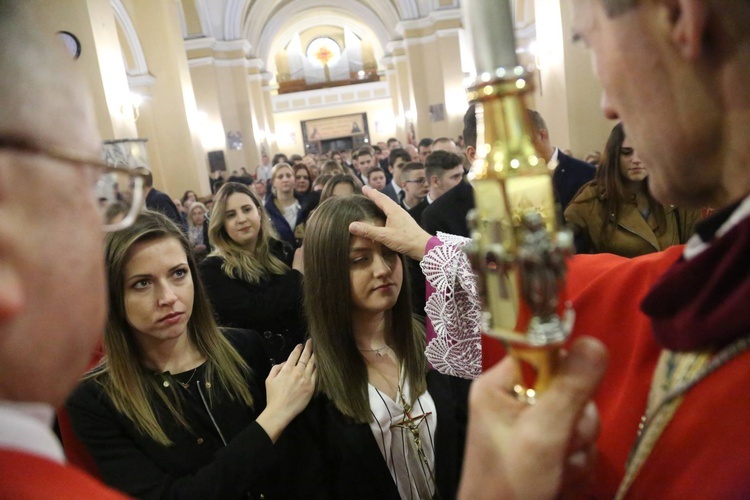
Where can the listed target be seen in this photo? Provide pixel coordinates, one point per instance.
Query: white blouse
(414, 479)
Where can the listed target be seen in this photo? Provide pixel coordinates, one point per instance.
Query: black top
(272, 307)
(198, 464)
(353, 466)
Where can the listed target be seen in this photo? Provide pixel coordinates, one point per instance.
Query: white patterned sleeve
(454, 309)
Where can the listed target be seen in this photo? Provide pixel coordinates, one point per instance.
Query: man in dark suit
(53, 295)
(364, 160)
(448, 214)
(443, 170)
(570, 174)
(160, 202)
(396, 160)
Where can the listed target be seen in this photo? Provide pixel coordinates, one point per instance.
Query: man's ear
(11, 292)
(689, 20)
(471, 153)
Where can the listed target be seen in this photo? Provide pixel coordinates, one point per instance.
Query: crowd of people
(313, 330)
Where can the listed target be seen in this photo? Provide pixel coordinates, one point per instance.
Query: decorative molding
(429, 21)
(231, 45)
(233, 19)
(335, 96)
(135, 81)
(200, 43)
(219, 46)
(204, 17)
(410, 42)
(131, 35)
(408, 9)
(200, 61)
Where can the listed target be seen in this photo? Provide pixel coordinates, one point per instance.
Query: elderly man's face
(51, 233)
(665, 114)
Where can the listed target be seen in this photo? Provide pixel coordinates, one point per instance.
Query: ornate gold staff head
(517, 252)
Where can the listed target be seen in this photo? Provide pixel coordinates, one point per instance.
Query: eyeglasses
(421, 180)
(118, 191)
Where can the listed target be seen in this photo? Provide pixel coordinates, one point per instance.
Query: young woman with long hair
(251, 276)
(177, 407)
(388, 427)
(615, 213)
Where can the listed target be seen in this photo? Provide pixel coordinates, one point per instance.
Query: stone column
(172, 108)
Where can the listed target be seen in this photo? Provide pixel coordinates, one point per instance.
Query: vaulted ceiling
(269, 24)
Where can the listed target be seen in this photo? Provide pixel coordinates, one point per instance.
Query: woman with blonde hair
(177, 407)
(387, 426)
(253, 278)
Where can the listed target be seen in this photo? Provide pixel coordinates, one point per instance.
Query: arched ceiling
(269, 24)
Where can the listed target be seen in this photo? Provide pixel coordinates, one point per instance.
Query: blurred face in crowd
(424, 152)
(242, 220)
(301, 181)
(260, 188)
(283, 181)
(364, 163)
(447, 181)
(415, 185)
(376, 180)
(197, 215)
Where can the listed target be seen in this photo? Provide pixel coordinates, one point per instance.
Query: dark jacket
(291, 235)
(447, 214)
(570, 174)
(160, 202)
(272, 307)
(390, 192)
(355, 468)
(198, 464)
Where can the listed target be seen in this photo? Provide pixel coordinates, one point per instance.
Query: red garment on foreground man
(704, 451)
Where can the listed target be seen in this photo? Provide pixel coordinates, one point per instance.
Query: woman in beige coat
(615, 213)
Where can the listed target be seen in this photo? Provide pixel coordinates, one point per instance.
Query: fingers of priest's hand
(401, 232)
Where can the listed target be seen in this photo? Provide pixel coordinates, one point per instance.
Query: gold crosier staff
(517, 251)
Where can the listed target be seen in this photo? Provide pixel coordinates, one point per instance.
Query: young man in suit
(443, 171)
(396, 160)
(52, 286)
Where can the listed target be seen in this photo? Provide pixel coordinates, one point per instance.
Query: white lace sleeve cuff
(453, 308)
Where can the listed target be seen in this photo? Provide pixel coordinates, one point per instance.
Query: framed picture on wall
(337, 132)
